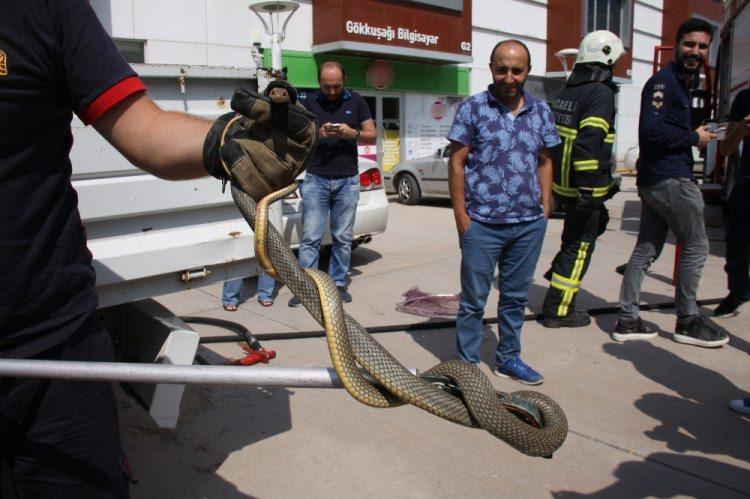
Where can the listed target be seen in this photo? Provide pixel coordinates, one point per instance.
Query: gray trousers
(673, 204)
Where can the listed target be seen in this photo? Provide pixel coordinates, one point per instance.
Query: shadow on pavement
(697, 418)
(214, 423)
(667, 475)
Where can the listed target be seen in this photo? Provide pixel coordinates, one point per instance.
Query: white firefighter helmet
(600, 46)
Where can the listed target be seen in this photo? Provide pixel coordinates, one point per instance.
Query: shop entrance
(387, 111)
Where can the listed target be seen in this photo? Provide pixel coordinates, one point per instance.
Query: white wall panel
(628, 110)
(643, 46)
(515, 17)
(170, 20)
(116, 16)
(483, 41)
(658, 4)
(641, 72)
(162, 52)
(299, 33)
(228, 55)
(647, 19)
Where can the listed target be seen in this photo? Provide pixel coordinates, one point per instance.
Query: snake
(457, 391)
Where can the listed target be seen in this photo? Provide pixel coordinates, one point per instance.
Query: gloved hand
(264, 144)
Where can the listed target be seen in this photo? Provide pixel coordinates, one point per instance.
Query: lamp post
(274, 28)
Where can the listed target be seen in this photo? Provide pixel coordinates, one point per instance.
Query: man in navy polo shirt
(331, 185)
(670, 197)
(500, 179)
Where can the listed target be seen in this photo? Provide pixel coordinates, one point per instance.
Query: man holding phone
(331, 185)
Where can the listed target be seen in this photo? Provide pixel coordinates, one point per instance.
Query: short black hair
(332, 64)
(517, 42)
(691, 25)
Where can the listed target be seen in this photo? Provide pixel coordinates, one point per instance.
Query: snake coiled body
(476, 403)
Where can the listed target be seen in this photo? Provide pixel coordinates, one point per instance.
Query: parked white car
(421, 177)
(372, 208)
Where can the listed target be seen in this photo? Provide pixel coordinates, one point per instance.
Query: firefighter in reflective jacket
(585, 117)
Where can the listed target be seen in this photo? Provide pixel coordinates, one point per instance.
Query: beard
(508, 92)
(690, 64)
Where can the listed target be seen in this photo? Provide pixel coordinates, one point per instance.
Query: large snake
(457, 391)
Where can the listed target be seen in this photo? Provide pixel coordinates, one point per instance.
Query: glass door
(387, 111)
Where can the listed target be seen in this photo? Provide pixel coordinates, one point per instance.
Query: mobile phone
(334, 126)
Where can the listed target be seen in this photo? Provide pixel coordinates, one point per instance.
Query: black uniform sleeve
(90, 60)
(740, 106)
(594, 126)
(655, 128)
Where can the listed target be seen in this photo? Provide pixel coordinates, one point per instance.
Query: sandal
(265, 303)
(230, 307)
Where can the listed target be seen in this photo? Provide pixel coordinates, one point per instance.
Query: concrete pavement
(646, 418)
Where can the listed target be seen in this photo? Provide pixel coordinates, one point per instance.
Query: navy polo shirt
(57, 60)
(337, 157)
(664, 133)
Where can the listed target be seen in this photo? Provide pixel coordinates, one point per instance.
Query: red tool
(254, 356)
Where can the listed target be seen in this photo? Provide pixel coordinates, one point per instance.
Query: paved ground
(646, 418)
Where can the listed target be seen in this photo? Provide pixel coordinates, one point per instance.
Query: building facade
(414, 60)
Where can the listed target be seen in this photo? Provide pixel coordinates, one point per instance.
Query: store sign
(389, 33)
(418, 30)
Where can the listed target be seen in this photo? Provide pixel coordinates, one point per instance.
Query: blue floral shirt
(500, 174)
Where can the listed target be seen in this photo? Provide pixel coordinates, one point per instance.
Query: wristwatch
(356, 136)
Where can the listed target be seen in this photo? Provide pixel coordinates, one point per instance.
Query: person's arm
(367, 133)
(736, 132)
(166, 144)
(545, 180)
(457, 186)
(593, 129)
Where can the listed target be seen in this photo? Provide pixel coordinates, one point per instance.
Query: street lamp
(563, 56)
(274, 28)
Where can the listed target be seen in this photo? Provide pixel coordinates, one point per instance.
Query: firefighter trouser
(570, 264)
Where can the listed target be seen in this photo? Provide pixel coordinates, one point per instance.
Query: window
(131, 50)
(612, 15)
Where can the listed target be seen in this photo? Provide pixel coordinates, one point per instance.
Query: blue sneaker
(517, 369)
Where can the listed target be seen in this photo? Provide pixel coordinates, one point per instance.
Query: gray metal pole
(294, 377)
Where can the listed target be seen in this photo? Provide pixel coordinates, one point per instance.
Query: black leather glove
(264, 144)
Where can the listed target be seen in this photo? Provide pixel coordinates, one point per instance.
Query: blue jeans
(232, 291)
(514, 249)
(321, 197)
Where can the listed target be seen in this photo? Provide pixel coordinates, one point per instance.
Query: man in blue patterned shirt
(500, 179)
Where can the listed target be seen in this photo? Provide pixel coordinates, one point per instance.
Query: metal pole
(292, 377)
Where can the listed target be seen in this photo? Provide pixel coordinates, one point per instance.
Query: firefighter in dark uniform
(585, 119)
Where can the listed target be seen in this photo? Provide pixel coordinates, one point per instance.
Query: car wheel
(408, 189)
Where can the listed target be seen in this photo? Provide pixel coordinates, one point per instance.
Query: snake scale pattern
(472, 402)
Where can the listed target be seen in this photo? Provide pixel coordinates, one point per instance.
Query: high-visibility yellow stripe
(566, 281)
(575, 276)
(565, 170)
(586, 164)
(610, 139)
(566, 132)
(595, 121)
(597, 192)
